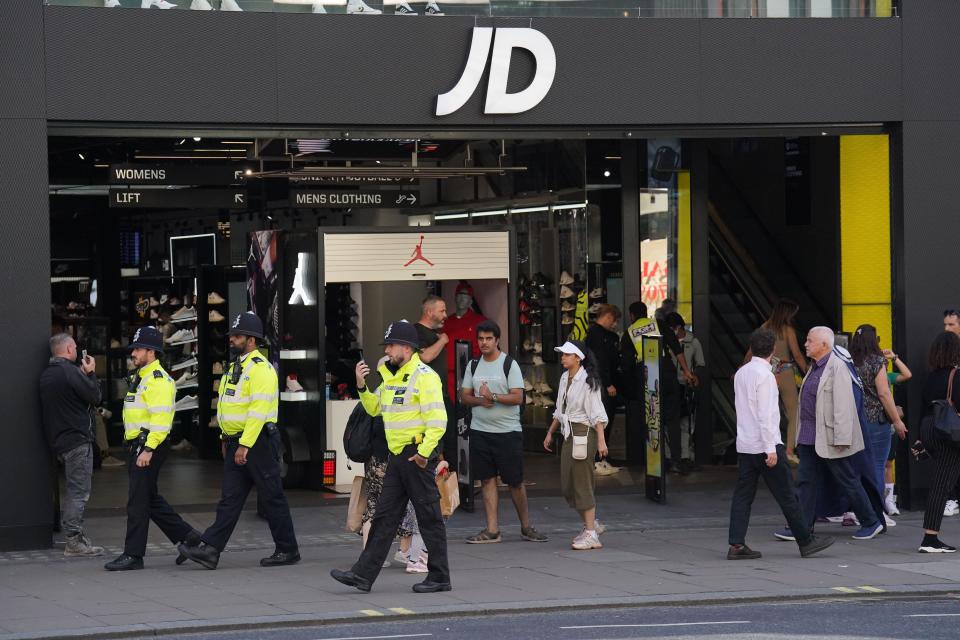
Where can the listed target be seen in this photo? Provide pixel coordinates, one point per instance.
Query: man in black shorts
(493, 388)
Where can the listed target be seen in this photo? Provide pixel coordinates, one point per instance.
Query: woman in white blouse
(580, 418)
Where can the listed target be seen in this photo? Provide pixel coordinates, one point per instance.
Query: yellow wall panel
(684, 267)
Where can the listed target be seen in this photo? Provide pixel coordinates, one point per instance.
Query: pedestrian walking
(147, 418)
(410, 399)
(581, 418)
(603, 341)
(901, 375)
(941, 384)
(68, 395)
(251, 448)
(493, 387)
(693, 352)
(760, 453)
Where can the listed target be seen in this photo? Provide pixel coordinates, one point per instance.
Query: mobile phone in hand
(83, 357)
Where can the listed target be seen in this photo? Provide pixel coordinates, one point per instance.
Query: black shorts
(497, 454)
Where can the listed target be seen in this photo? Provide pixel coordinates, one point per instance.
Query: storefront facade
(82, 71)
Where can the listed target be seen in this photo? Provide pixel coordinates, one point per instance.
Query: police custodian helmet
(402, 332)
(147, 338)
(246, 324)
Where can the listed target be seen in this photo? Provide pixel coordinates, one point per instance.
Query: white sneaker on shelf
(217, 368)
(184, 313)
(586, 541)
(181, 337)
(361, 7)
(404, 9)
(537, 361)
(185, 403)
(183, 445)
(318, 8)
(215, 316)
(159, 4)
(597, 293)
(594, 309)
(293, 385)
(546, 402)
(566, 278)
(184, 364)
(529, 399)
(568, 306)
(229, 5)
(566, 292)
(528, 345)
(543, 387)
(154, 315)
(527, 386)
(200, 5)
(952, 508)
(215, 298)
(567, 319)
(538, 347)
(433, 9)
(110, 4)
(186, 380)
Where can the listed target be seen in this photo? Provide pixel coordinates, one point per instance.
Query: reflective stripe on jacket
(411, 404)
(253, 401)
(149, 405)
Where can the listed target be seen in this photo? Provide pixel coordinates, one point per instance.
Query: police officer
(147, 417)
(252, 450)
(410, 399)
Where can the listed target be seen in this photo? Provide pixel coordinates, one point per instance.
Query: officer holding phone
(147, 418)
(252, 450)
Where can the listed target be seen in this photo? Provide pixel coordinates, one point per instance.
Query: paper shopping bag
(358, 504)
(449, 488)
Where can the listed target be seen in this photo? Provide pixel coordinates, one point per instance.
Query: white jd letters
(498, 100)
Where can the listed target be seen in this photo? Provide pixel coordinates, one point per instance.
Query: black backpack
(507, 365)
(358, 436)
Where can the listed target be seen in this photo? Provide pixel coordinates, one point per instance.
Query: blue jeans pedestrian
(78, 471)
(879, 434)
(811, 473)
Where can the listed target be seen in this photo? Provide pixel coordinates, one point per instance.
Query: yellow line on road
(401, 610)
(844, 589)
(872, 589)
(371, 612)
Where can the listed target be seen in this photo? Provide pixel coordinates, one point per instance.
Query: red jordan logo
(418, 255)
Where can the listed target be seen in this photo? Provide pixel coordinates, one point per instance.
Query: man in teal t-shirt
(496, 437)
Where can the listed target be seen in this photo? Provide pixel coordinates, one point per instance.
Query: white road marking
(933, 615)
(665, 624)
(406, 635)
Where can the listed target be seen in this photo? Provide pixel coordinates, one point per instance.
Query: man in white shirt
(760, 452)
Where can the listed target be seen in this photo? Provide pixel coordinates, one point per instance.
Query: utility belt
(270, 428)
(137, 444)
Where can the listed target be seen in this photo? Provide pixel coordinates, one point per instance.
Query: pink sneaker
(420, 566)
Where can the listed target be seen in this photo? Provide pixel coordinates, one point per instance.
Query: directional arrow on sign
(408, 199)
(238, 198)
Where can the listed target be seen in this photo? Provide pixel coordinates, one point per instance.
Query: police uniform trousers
(144, 503)
(263, 470)
(405, 481)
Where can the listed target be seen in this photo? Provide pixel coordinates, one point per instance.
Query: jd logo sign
(498, 100)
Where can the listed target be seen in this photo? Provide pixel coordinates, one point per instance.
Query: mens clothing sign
(392, 257)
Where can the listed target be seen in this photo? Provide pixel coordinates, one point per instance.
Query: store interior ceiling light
(388, 172)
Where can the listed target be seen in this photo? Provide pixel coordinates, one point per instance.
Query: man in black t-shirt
(605, 345)
(433, 353)
(670, 400)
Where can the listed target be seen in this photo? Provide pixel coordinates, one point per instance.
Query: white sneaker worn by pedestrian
(79, 547)
(952, 508)
(890, 502)
(890, 522)
(359, 6)
(420, 566)
(586, 541)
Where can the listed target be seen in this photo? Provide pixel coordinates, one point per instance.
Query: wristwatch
(494, 396)
(147, 450)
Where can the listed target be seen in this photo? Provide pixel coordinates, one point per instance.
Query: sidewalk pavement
(673, 553)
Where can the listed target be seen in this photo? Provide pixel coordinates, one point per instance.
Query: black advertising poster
(161, 175)
(178, 198)
(355, 199)
(655, 484)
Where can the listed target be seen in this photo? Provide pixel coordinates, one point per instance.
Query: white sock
(888, 488)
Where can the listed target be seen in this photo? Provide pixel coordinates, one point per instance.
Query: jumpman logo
(418, 255)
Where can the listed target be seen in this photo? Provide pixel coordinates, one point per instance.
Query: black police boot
(428, 586)
(202, 554)
(351, 579)
(192, 540)
(280, 558)
(124, 563)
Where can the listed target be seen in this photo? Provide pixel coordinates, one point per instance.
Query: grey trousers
(78, 469)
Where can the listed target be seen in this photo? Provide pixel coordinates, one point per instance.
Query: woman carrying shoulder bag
(581, 418)
(944, 360)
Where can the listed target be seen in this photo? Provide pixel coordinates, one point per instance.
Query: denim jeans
(78, 469)
(812, 470)
(879, 434)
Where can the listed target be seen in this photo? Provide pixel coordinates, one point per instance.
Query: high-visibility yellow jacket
(411, 403)
(149, 405)
(246, 405)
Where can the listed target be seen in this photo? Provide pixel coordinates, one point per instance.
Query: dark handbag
(946, 420)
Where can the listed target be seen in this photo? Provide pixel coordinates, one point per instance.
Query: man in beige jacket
(829, 433)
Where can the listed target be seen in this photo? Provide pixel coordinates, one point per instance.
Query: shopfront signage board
(352, 199)
(178, 198)
(395, 257)
(161, 175)
(656, 482)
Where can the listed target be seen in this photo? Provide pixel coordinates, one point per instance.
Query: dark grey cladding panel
(21, 59)
(931, 60)
(800, 70)
(25, 263)
(160, 66)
